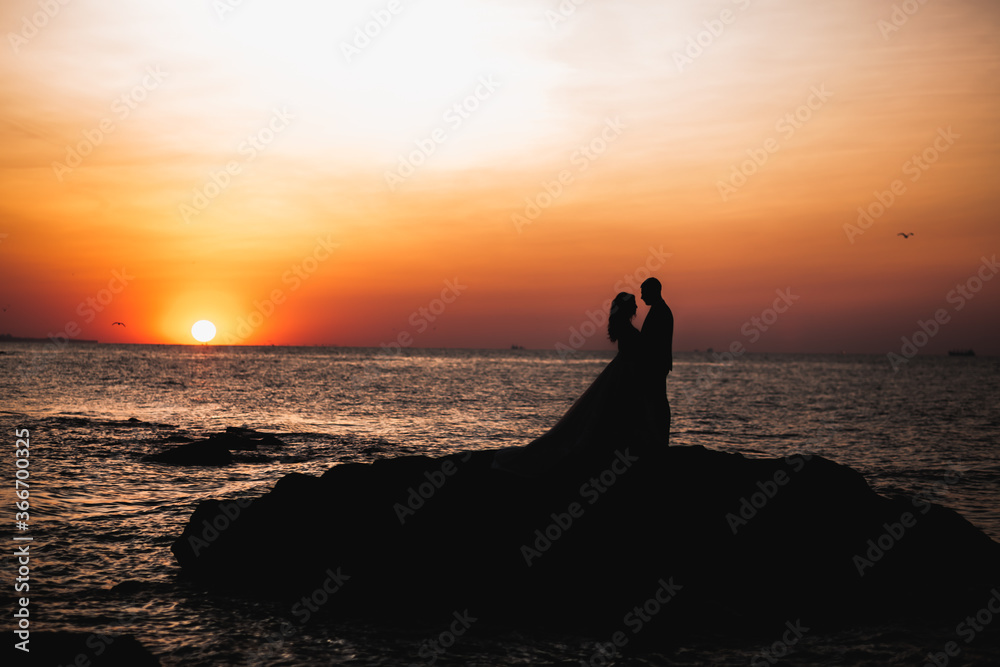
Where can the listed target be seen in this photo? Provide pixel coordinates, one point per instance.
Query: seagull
(905, 236)
(114, 323)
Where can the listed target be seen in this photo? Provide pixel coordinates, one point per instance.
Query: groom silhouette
(657, 337)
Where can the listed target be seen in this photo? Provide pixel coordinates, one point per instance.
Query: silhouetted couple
(626, 406)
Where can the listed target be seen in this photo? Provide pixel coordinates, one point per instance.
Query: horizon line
(49, 341)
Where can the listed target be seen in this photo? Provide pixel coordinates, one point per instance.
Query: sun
(203, 331)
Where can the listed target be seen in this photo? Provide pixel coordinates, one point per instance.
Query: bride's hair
(622, 312)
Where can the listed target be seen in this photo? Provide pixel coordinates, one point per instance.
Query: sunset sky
(503, 165)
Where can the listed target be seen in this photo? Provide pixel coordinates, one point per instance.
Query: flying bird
(905, 236)
(114, 323)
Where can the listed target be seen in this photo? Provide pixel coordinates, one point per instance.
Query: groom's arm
(668, 335)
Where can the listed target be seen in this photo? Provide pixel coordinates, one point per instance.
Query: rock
(245, 439)
(198, 453)
(83, 648)
(216, 450)
(135, 422)
(681, 539)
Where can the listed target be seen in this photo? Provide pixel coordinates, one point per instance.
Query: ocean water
(102, 521)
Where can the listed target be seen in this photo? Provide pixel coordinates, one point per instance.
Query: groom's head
(650, 290)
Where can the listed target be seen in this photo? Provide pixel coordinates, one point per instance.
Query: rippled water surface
(103, 521)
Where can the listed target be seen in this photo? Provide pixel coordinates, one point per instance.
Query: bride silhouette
(614, 412)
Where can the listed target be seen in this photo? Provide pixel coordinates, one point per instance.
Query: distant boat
(961, 353)
(517, 347)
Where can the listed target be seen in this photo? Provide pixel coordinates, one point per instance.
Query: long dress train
(614, 412)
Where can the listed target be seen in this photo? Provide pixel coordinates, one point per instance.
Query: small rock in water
(200, 453)
(245, 439)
